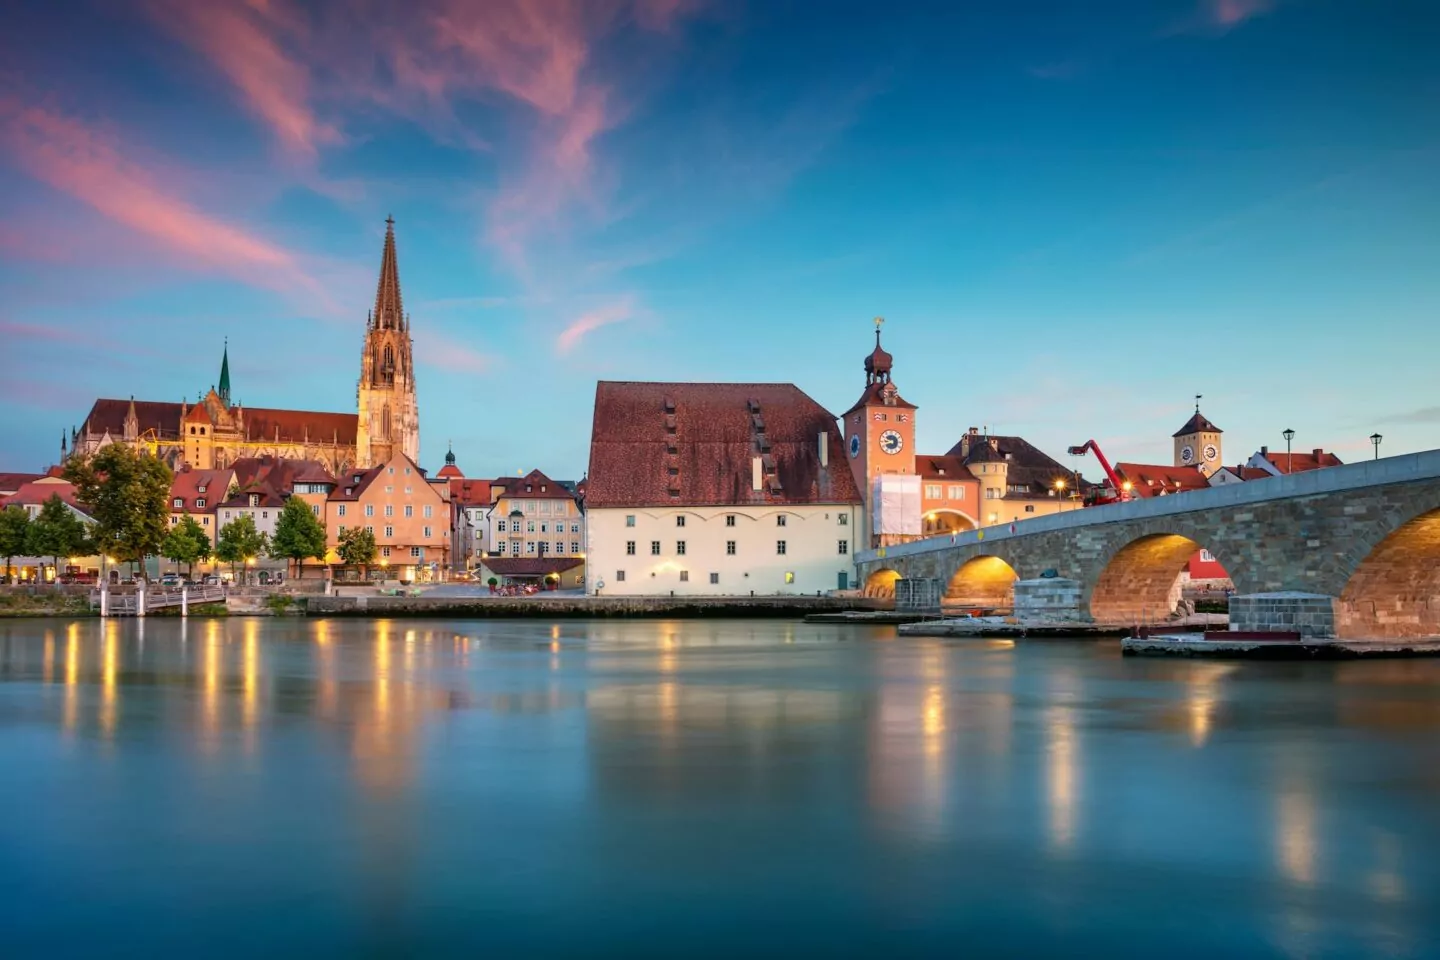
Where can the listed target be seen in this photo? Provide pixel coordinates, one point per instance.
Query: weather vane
(1197, 402)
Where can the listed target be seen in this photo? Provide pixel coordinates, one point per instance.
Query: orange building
(408, 513)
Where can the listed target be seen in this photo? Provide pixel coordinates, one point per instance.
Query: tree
(239, 541)
(357, 548)
(298, 534)
(185, 543)
(56, 532)
(128, 495)
(14, 534)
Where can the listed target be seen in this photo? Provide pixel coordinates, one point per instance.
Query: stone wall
(1290, 611)
(1052, 599)
(919, 594)
(591, 607)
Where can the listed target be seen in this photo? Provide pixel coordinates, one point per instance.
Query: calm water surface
(342, 788)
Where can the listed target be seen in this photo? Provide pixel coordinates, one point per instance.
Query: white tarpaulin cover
(895, 499)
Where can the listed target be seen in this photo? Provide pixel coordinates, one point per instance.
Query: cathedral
(216, 431)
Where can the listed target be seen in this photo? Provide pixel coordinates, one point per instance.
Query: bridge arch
(986, 581)
(1141, 580)
(1395, 590)
(881, 583)
(946, 520)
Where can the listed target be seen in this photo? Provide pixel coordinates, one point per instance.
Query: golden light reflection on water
(72, 679)
(48, 663)
(1060, 768)
(1201, 697)
(109, 668)
(210, 696)
(1295, 832)
(250, 682)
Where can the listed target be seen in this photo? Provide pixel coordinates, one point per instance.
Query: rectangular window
(409, 510)
(315, 509)
(385, 552)
(427, 533)
(174, 520)
(369, 509)
(544, 527)
(730, 548)
(429, 510)
(992, 493)
(574, 528)
(415, 552)
(254, 499)
(789, 576)
(340, 510)
(408, 491)
(529, 526)
(630, 548)
(679, 548)
(729, 519)
(530, 547)
(655, 548)
(714, 578)
(1206, 556)
(684, 576)
(620, 576)
(500, 548)
(957, 492)
(200, 504)
(844, 519)
(630, 520)
(544, 506)
(559, 546)
(780, 547)
(177, 503)
(780, 520)
(844, 547)
(574, 546)
(680, 521)
(932, 491)
(264, 514)
(205, 521)
(340, 529)
(500, 526)
(389, 532)
(389, 510)
(369, 529)
(390, 488)
(1029, 508)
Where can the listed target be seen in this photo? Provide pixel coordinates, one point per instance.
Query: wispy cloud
(1231, 13)
(89, 164)
(244, 39)
(591, 321)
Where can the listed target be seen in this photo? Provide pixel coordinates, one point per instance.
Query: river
(279, 787)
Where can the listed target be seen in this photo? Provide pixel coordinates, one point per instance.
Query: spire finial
(879, 322)
(1197, 402)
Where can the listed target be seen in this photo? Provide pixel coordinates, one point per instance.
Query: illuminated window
(789, 576)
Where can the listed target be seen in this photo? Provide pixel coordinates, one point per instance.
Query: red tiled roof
(187, 485)
(469, 493)
(530, 566)
(261, 423)
(1153, 480)
(10, 482)
(449, 472)
(946, 467)
(873, 397)
(274, 478)
(535, 486)
(694, 444)
(1301, 462)
(1027, 464)
(109, 414)
(36, 492)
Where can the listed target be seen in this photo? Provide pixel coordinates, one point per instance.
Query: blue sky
(1073, 216)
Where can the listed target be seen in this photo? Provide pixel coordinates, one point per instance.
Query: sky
(1074, 217)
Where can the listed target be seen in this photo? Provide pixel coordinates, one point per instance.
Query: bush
(279, 603)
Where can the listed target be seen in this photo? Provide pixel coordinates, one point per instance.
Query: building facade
(534, 516)
(721, 489)
(408, 514)
(389, 417)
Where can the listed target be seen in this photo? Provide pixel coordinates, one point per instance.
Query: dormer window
(201, 488)
(177, 503)
(200, 503)
(254, 499)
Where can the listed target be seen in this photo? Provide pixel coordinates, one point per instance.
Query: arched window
(385, 419)
(388, 367)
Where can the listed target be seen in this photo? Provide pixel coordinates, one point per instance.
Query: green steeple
(224, 390)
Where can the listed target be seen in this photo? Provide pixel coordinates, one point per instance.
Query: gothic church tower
(389, 417)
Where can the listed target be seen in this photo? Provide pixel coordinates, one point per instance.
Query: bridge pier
(1286, 611)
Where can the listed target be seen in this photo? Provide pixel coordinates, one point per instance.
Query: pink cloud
(1230, 13)
(242, 38)
(439, 350)
(589, 322)
(87, 163)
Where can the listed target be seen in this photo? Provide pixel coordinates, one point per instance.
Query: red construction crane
(1120, 489)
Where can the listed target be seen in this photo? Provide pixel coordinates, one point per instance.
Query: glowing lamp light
(1127, 486)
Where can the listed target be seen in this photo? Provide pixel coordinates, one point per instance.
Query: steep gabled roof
(662, 444)
(1154, 480)
(1197, 424)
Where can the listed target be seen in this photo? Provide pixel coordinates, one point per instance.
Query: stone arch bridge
(1351, 551)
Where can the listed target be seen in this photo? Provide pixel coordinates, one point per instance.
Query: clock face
(1210, 452)
(1187, 454)
(854, 444)
(891, 442)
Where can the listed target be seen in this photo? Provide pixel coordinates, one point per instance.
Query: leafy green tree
(56, 532)
(357, 548)
(186, 543)
(239, 541)
(127, 493)
(14, 534)
(299, 534)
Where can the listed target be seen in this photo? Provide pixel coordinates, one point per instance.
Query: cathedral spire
(224, 390)
(388, 313)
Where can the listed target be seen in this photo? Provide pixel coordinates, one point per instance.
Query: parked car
(171, 581)
(210, 580)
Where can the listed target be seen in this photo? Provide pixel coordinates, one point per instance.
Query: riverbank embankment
(578, 607)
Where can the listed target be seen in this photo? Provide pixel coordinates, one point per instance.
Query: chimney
(824, 449)
(756, 476)
(1318, 453)
(1264, 451)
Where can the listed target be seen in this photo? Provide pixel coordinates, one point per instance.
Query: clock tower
(1197, 444)
(879, 434)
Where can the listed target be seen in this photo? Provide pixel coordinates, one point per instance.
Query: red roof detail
(533, 486)
(1153, 480)
(530, 566)
(1301, 462)
(449, 472)
(469, 493)
(260, 422)
(942, 468)
(695, 444)
(273, 479)
(36, 492)
(187, 488)
(10, 482)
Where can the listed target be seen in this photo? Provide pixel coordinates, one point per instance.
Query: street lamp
(1289, 461)
(1375, 439)
(1060, 494)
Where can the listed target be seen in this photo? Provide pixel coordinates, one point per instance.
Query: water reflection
(415, 767)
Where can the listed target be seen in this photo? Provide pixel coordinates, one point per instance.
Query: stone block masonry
(1312, 615)
(1049, 600)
